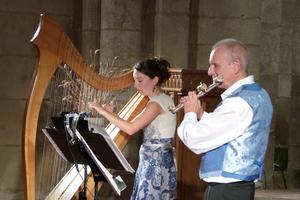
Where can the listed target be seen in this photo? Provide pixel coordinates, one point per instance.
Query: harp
(55, 49)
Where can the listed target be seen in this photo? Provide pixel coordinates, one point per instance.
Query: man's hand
(192, 104)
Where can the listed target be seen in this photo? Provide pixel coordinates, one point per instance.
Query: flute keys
(202, 87)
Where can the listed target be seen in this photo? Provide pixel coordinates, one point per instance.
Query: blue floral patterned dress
(156, 174)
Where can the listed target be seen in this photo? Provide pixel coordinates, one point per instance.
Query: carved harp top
(55, 48)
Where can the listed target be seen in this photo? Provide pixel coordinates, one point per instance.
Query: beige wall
(181, 31)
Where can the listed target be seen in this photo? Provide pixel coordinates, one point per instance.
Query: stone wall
(18, 59)
(289, 81)
(180, 31)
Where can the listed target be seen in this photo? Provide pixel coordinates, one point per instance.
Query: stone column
(229, 19)
(120, 37)
(90, 28)
(171, 31)
(121, 31)
(290, 74)
(270, 66)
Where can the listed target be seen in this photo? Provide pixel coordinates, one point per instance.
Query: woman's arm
(151, 111)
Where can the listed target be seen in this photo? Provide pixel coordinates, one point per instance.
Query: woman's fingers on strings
(112, 103)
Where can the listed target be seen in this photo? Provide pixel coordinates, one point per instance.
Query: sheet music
(100, 130)
(116, 182)
(54, 144)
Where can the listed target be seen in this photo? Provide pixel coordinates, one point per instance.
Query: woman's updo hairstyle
(154, 67)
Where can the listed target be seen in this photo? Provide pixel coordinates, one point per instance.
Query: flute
(202, 89)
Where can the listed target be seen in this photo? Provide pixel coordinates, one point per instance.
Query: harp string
(69, 93)
(53, 167)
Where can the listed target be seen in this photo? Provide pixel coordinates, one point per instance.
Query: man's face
(220, 64)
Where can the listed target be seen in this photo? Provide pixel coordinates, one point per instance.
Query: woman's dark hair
(154, 67)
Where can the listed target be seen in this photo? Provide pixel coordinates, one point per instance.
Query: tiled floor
(261, 194)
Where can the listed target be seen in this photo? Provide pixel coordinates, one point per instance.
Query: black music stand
(77, 144)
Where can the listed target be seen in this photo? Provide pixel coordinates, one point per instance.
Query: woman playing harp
(156, 174)
(74, 83)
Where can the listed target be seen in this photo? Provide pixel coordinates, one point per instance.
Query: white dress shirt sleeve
(227, 122)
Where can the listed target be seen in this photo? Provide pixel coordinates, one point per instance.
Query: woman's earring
(154, 88)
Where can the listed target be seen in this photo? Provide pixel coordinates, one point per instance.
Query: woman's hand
(110, 106)
(102, 108)
(95, 106)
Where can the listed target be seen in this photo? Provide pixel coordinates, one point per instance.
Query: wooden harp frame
(55, 48)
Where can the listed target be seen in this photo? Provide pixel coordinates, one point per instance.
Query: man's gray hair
(238, 50)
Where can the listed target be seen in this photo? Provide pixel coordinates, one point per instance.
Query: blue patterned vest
(243, 158)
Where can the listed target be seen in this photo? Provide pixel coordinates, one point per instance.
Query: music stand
(76, 144)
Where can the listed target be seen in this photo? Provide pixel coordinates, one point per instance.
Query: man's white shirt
(228, 121)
